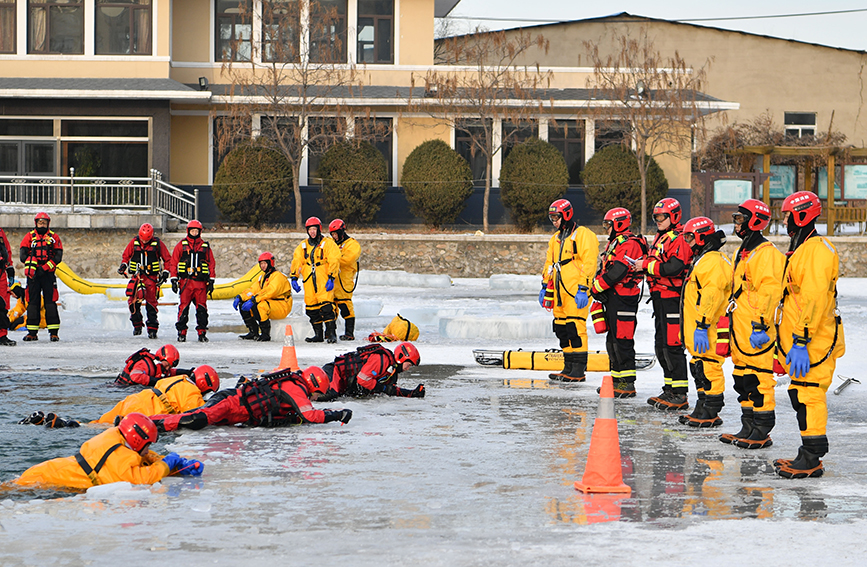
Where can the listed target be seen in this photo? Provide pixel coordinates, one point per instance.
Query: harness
(657, 250)
(145, 257)
(162, 396)
(193, 264)
(350, 364)
(142, 354)
(730, 311)
(263, 279)
(633, 278)
(558, 280)
(310, 258)
(267, 404)
(41, 252)
(93, 472)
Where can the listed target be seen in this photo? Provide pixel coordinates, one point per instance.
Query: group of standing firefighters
(773, 313)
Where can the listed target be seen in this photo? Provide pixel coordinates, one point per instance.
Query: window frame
(32, 5)
(12, 7)
(294, 22)
(376, 20)
(241, 18)
(134, 8)
(381, 137)
(793, 128)
(339, 34)
(559, 133)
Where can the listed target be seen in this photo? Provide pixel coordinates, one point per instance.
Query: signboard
(855, 181)
(823, 183)
(782, 181)
(731, 191)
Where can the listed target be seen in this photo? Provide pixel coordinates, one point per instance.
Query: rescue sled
(551, 359)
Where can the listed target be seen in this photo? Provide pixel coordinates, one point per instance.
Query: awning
(135, 89)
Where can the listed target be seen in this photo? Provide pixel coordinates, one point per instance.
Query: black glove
(342, 416)
(210, 286)
(10, 273)
(175, 285)
(122, 269)
(35, 418)
(164, 277)
(418, 392)
(187, 371)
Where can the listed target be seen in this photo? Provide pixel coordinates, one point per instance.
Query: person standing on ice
(41, 251)
(7, 278)
(705, 298)
(756, 291)
(810, 331)
(316, 262)
(148, 261)
(347, 278)
(372, 369)
(268, 298)
(193, 271)
(272, 400)
(618, 287)
(119, 454)
(664, 268)
(570, 263)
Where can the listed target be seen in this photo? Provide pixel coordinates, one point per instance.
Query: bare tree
(290, 88)
(482, 84)
(657, 98)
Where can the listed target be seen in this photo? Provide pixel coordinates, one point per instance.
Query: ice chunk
(428, 315)
(495, 327)
(103, 491)
(365, 308)
(115, 318)
(399, 278)
(515, 282)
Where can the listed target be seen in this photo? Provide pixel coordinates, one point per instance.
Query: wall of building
(191, 31)
(190, 150)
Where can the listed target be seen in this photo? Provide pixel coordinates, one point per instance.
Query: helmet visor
(606, 224)
(660, 217)
(689, 238)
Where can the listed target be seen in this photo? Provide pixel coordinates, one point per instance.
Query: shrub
(437, 182)
(354, 175)
(254, 185)
(611, 179)
(534, 174)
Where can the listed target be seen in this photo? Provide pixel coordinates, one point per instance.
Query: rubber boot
(573, 369)
(6, 341)
(349, 332)
(203, 336)
(331, 332)
(759, 438)
(709, 415)
(696, 411)
(673, 400)
(30, 336)
(252, 325)
(567, 367)
(746, 427)
(264, 331)
(807, 464)
(666, 390)
(318, 336)
(624, 389)
(53, 336)
(182, 336)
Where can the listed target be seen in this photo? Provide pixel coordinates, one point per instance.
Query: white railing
(126, 193)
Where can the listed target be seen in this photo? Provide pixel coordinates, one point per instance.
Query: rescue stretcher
(551, 359)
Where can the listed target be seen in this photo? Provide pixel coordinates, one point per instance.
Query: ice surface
(398, 278)
(515, 282)
(518, 328)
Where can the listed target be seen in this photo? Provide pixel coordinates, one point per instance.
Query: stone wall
(97, 253)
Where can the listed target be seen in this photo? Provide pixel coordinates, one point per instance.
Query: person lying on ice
(372, 369)
(272, 400)
(145, 368)
(119, 454)
(175, 394)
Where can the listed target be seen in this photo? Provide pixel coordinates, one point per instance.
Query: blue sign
(855, 181)
(782, 181)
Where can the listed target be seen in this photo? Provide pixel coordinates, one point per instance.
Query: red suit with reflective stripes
(5, 301)
(193, 264)
(41, 253)
(144, 369)
(146, 260)
(367, 370)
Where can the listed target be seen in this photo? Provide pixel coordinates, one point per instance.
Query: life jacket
(661, 249)
(193, 264)
(125, 378)
(41, 252)
(633, 277)
(145, 257)
(350, 364)
(93, 472)
(267, 404)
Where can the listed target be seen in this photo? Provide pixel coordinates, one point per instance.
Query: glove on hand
(122, 269)
(164, 277)
(236, 302)
(342, 416)
(700, 340)
(798, 360)
(211, 286)
(542, 295)
(10, 274)
(295, 285)
(581, 298)
(329, 285)
(35, 418)
(248, 305)
(182, 466)
(418, 392)
(759, 337)
(175, 285)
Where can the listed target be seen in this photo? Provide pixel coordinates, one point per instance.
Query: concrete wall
(96, 253)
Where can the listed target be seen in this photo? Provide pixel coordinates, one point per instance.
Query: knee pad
(800, 409)
(344, 310)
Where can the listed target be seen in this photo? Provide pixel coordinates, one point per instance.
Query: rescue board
(552, 359)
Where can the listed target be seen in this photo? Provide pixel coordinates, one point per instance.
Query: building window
(377, 131)
(281, 25)
(322, 132)
(7, 26)
(798, 124)
(610, 133)
(515, 133)
(234, 30)
(376, 31)
(328, 31)
(123, 27)
(568, 137)
(56, 26)
(469, 136)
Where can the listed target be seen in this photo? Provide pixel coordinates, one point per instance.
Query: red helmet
(701, 228)
(168, 353)
(407, 351)
(313, 221)
(671, 207)
(759, 214)
(316, 380)
(138, 431)
(267, 257)
(206, 379)
(146, 232)
(336, 225)
(42, 216)
(194, 224)
(561, 207)
(619, 218)
(804, 207)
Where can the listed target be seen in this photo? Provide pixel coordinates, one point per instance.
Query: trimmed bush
(254, 185)
(437, 182)
(611, 179)
(354, 177)
(534, 174)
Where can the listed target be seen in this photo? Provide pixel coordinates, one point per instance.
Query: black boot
(807, 464)
(759, 438)
(318, 336)
(264, 331)
(672, 400)
(709, 414)
(331, 332)
(6, 341)
(574, 366)
(746, 428)
(624, 388)
(696, 411)
(666, 390)
(31, 336)
(253, 327)
(349, 333)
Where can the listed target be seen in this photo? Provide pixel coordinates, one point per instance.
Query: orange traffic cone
(288, 358)
(603, 473)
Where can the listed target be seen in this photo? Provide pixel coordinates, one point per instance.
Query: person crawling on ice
(272, 400)
(372, 369)
(145, 368)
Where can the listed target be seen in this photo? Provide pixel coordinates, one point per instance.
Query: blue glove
(329, 285)
(236, 302)
(798, 360)
(182, 466)
(542, 295)
(581, 299)
(295, 285)
(702, 344)
(173, 460)
(759, 337)
(248, 305)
